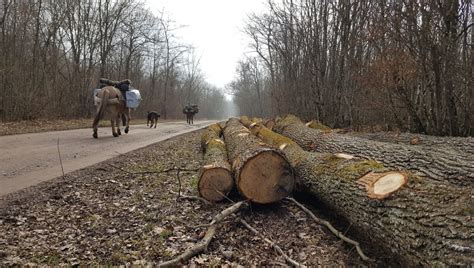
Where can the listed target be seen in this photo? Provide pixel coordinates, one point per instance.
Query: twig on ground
(124, 170)
(332, 229)
(179, 185)
(203, 244)
(167, 170)
(274, 246)
(191, 197)
(60, 159)
(155, 171)
(279, 264)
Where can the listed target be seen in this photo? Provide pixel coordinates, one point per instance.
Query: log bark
(269, 124)
(262, 174)
(215, 177)
(463, 147)
(458, 168)
(424, 222)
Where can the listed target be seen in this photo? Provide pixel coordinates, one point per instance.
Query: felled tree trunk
(262, 174)
(215, 177)
(412, 221)
(463, 147)
(269, 124)
(437, 165)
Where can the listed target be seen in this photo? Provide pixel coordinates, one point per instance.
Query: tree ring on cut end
(215, 183)
(266, 177)
(389, 183)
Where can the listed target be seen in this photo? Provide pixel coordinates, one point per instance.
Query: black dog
(153, 118)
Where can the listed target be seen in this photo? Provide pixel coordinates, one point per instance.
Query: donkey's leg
(127, 119)
(94, 128)
(117, 122)
(156, 121)
(112, 122)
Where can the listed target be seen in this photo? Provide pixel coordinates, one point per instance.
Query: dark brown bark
(425, 222)
(438, 165)
(215, 177)
(262, 174)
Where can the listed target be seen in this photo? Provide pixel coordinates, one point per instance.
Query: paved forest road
(29, 159)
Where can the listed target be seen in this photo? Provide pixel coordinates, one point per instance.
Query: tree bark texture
(463, 147)
(440, 165)
(425, 222)
(262, 174)
(215, 177)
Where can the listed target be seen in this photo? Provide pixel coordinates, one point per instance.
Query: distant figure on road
(190, 110)
(152, 118)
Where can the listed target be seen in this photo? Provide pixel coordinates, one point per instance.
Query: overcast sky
(214, 28)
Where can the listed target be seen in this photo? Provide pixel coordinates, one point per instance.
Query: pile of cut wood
(413, 202)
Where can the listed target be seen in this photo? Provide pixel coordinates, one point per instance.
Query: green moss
(52, 259)
(165, 234)
(216, 128)
(468, 211)
(193, 181)
(356, 170)
(218, 144)
(119, 258)
(148, 227)
(273, 138)
(347, 170)
(318, 125)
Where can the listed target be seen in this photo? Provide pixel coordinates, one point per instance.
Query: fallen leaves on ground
(102, 215)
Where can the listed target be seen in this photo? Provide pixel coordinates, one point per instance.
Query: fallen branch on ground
(190, 197)
(165, 170)
(119, 168)
(274, 246)
(203, 244)
(331, 228)
(60, 159)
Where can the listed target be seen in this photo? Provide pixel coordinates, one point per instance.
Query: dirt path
(29, 159)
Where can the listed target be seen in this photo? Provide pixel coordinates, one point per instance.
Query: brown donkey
(111, 105)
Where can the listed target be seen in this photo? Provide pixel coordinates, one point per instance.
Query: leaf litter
(104, 215)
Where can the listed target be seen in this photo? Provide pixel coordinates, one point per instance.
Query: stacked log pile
(374, 186)
(420, 222)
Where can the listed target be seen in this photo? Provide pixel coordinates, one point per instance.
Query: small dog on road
(153, 118)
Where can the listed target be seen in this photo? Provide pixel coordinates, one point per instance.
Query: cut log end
(344, 156)
(266, 178)
(380, 186)
(283, 146)
(215, 183)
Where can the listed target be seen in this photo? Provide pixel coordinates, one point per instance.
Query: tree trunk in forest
(261, 173)
(444, 165)
(414, 221)
(215, 177)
